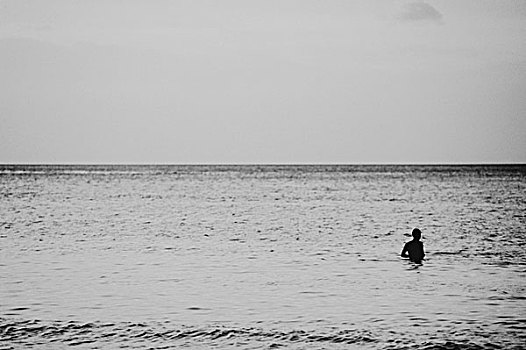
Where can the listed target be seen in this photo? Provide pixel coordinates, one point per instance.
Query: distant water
(262, 257)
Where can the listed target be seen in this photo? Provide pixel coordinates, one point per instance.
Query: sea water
(261, 257)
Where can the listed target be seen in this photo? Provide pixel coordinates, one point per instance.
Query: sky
(262, 81)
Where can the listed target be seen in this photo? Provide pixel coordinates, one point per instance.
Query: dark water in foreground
(261, 257)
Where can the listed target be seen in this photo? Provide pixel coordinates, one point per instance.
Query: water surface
(299, 257)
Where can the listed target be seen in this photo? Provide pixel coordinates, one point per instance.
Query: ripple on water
(194, 244)
(31, 333)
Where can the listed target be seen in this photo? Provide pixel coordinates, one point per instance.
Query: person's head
(417, 234)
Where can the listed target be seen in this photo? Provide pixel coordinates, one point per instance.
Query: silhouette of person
(414, 250)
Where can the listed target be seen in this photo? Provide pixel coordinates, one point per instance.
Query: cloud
(420, 11)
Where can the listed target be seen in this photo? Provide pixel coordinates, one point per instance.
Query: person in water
(414, 250)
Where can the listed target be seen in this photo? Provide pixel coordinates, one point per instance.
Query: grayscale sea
(261, 257)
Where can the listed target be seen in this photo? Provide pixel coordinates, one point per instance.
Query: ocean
(262, 257)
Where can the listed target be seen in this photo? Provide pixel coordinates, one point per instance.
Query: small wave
(30, 333)
(76, 333)
(457, 345)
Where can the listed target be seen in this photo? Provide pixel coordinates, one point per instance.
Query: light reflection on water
(255, 251)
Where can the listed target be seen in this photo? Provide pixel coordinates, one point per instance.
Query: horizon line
(264, 164)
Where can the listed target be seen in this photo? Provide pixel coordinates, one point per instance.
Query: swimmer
(414, 250)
